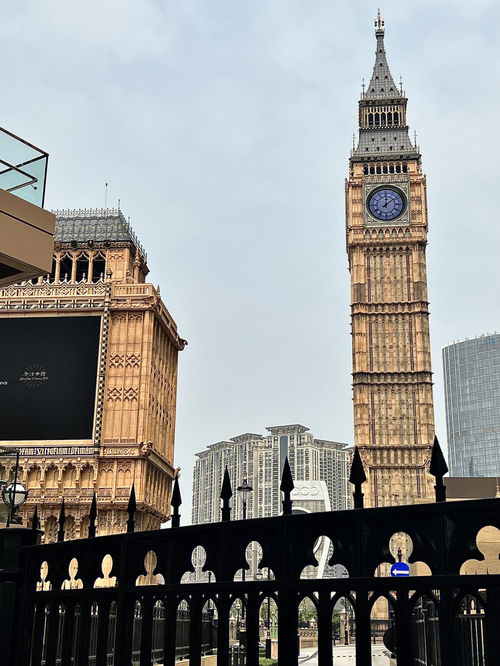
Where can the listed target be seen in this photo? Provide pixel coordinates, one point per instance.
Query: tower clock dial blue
(386, 203)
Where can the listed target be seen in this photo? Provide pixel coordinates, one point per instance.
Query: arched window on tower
(370, 119)
(66, 268)
(98, 267)
(365, 170)
(377, 119)
(82, 267)
(405, 168)
(51, 476)
(396, 118)
(87, 476)
(33, 478)
(69, 477)
(379, 170)
(398, 168)
(382, 118)
(389, 118)
(372, 170)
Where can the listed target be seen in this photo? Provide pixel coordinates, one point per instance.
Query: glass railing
(23, 168)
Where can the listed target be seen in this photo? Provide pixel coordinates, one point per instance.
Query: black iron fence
(120, 599)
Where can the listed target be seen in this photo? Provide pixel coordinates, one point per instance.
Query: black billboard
(48, 369)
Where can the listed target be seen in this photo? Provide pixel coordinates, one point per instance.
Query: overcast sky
(224, 127)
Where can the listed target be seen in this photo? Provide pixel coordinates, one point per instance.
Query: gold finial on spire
(401, 84)
(379, 21)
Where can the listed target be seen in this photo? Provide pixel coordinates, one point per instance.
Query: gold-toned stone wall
(134, 425)
(392, 378)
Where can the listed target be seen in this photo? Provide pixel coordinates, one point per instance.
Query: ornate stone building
(89, 380)
(386, 229)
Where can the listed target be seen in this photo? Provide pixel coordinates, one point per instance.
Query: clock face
(386, 204)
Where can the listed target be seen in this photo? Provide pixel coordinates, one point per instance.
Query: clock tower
(386, 229)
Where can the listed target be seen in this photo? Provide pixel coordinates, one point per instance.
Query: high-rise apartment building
(88, 376)
(260, 459)
(386, 233)
(472, 395)
(320, 469)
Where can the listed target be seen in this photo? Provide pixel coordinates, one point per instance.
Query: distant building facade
(320, 469)
(260, 459)
(472, 394)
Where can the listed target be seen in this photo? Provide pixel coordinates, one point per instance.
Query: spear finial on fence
(438, 468)
(175, 502)
(286, 487)
(131, 509)
(92, 516)
(62, 520)
(225, 494)
(357, 478)
(35, 523)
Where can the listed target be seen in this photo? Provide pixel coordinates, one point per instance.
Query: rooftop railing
(23, 168)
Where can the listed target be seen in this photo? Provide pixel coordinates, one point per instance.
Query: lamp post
(237, 605)
(268, 619)
(245, 489)
(14, 495)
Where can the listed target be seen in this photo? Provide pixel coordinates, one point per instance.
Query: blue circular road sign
(400, 569)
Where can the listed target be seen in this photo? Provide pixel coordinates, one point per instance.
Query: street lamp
(14, 495)
(258, 575)
(237, 606)
(245, 489)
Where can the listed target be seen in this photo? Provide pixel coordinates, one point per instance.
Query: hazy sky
(224, 126)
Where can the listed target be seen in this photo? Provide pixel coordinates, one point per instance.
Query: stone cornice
(88, 296)
(396, 307)
(392, 378)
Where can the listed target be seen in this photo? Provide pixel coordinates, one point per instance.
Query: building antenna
(105, 196)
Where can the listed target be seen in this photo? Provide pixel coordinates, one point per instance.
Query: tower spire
(382, 84)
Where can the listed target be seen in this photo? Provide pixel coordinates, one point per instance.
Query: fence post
(286, 488)
(12, 569)
(225, 494)
(325, 610)
(357, 478)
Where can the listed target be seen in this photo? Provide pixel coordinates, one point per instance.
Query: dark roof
(96, 224)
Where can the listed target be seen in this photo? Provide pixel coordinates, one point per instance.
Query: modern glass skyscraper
(472, 392)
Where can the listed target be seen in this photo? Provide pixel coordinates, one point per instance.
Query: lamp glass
(15, 495)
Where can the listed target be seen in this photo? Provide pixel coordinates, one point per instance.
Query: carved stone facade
(99, 270)
(386, 229)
